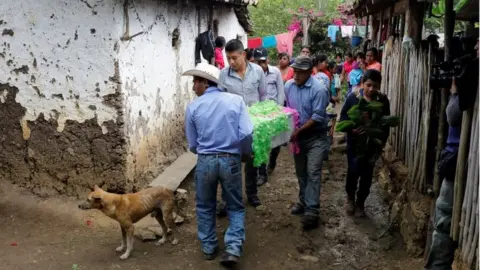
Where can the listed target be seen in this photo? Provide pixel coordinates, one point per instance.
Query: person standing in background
(246, 80)
(276, 92)
(219, 159)
(249, 55)
(371, 58)
(219, 46)
(339, 63)
(284, 67)
(347, 68)
(323, 75)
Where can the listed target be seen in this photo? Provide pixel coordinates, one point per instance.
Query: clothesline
(346, 31)
(283, 42)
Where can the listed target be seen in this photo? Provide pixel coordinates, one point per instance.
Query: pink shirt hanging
(285, 42)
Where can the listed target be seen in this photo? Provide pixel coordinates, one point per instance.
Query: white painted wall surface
(71, 45)
(156, 95)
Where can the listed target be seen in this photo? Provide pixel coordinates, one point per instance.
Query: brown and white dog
(127, 209)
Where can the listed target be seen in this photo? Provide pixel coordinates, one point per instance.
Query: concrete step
(173, 176)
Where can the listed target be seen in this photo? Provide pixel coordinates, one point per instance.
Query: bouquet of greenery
(367, 119)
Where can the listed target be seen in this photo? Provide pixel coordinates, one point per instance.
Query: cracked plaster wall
(61, 127)
(156, 94)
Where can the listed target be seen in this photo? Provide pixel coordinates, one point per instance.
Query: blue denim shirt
(310, 100)
(218, 122)
(251, 88)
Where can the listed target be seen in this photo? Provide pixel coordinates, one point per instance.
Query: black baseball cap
(260, 54)
(302, 63)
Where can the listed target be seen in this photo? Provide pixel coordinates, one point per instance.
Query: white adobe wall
(155, 93)
(64, 60)
(60, 57)
(57, 59)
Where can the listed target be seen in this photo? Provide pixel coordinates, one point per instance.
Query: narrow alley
(55, 234)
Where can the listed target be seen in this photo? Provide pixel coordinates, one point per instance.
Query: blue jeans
(308, 167)
(210, 170)
(442, 250)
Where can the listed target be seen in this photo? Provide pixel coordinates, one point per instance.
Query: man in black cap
(310, 98)
(276, 92)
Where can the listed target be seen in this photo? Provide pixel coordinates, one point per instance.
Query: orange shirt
(376, 65)
(288, 76)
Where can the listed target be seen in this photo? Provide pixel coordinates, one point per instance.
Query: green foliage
(272, 17)
(436, 22)
(368, 115)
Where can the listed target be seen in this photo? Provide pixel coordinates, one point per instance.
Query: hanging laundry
(269, 42)
(332, 32)
(347, 31)
(285, 42)
(254, 43)
(361, 30)
(204, 44)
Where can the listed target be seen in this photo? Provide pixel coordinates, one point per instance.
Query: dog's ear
(96, 187)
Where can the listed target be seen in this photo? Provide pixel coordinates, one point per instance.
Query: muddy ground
(55, 234)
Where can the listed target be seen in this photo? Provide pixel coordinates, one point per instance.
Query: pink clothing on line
(285, 42)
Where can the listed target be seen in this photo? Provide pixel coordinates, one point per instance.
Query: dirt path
(54, 234)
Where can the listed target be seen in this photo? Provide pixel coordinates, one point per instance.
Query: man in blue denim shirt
(310, 98)
(219, 130)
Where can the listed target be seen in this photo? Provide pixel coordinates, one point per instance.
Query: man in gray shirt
(248, 81)
(276, 92)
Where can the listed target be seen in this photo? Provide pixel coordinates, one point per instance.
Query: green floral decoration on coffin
(269, 120)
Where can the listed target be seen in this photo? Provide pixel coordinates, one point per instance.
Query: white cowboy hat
(205, 71)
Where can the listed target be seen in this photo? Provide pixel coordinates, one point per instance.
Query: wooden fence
(405, 80)
(406, 72)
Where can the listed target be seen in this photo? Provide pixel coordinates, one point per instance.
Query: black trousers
(272, 163)
(251, 173)
(359, 177)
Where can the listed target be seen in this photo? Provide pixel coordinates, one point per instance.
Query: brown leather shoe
(350, 207)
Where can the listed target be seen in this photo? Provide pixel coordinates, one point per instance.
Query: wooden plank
(173, 176)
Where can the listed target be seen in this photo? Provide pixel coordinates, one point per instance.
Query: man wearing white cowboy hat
(219, 130)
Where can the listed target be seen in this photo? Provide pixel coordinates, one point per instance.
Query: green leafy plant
(368, 115)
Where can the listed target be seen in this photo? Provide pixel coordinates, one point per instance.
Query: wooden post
(416, 12)
(380, 29)
(306, 24)
(366, 28)
(375, 27)
(402, 26)
(461, 173)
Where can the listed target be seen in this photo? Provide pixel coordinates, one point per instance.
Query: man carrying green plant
(365, 118)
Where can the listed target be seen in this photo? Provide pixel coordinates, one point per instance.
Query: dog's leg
(159, 218)
(167, 210)
(124, 240)
(129, 230)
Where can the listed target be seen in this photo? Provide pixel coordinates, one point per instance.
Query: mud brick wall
(408, 208)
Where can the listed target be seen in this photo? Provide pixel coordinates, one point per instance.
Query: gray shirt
(275, 86)
(251, 88)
